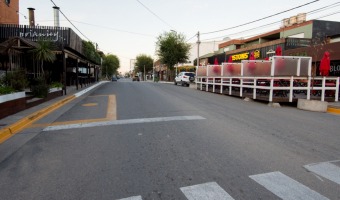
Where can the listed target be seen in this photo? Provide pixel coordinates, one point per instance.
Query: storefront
(317, 52)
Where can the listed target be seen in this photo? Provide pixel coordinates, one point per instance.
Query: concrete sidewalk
(13, 124)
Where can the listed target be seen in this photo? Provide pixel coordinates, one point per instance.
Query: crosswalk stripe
(206, 191)
(132, 198)
(326, 170)
(286, 187)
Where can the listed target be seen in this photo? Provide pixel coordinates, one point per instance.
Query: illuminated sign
(242, 56)
(245, 56)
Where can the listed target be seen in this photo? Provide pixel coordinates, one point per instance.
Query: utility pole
(198, 52)
(153, 71)
(144, 74)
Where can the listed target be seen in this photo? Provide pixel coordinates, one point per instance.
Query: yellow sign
(245, 56)
(242, 56)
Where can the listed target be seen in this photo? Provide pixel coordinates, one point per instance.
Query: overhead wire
(155, 14)
(277, 22)
(71, 22)
(259, 19)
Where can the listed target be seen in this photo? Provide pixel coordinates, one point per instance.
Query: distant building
(9, 12)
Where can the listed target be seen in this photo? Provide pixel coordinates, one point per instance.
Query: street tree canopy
(142, 61)
(110, 65)
(172, 49)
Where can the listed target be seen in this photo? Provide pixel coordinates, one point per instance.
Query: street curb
(333, 110)
(9, 131)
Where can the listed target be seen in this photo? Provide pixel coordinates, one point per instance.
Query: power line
(71, 22)
(259, 19)
(155, 14)
(191, 37)
(105, 27)
(277, 22)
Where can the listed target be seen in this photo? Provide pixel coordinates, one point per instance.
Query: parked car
(135, 78)
(114, 78)
(185, 78)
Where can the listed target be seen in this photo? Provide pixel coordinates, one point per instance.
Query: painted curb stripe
(122, 122)
(206, 191)
(333, 110)
(285, 187)
(132, 198)
(326, 170)
(12, 129)
(9, 131)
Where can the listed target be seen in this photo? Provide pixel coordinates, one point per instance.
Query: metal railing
(281, 79)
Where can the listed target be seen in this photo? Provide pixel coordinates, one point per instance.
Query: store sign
(54, 36)
(335, 69)
(245, 56)
(242, 56)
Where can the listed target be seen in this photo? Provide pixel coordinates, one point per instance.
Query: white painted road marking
(286, 187)
(133, 198)
(78, 94)
(122, 122)
(326, 170)
(206, 191)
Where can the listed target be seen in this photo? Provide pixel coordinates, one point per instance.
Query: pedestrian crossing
(275, 182)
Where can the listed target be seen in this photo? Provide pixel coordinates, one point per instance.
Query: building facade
(9, 12)
(304, 38)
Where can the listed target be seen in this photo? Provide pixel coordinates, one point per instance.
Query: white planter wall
(9, 97)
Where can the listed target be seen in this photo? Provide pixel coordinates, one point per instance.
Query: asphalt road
(173, 142)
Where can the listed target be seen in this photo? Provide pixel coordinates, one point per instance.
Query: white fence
(284, 78)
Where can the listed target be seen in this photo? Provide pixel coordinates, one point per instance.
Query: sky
(128, 28)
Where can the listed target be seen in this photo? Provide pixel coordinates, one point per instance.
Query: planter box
(12, 103)
(54, 90)
(10, 97)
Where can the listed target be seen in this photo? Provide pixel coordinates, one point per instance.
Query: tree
(144, 62)
(172, 49)
(110, 65)
(44, 52)
(89, 50)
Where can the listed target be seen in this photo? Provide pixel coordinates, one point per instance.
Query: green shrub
(39, 88)
(6, 90)
(56, 85)
(16, 79)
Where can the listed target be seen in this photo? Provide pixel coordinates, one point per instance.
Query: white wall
(205, 48)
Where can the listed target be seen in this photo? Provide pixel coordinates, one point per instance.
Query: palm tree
(44, 53)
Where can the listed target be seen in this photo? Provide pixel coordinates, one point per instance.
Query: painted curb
(333, 110)
(9, 131)
(12, 129)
